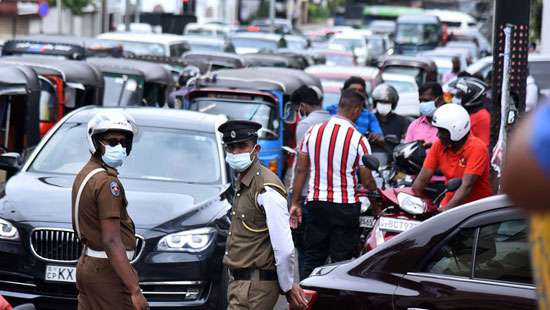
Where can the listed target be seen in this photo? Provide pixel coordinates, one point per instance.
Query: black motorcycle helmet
(470, 89)
(409, 157)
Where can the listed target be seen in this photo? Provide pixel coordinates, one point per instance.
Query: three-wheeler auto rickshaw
(131, 82)
(422, 69)
(65, 85)
(258, 94)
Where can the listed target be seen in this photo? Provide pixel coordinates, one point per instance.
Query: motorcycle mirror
(454, 184)
(371, 162)
(392, 140)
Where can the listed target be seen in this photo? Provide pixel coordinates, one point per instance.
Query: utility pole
(104, 16)
(127, 15)
(272, 15)
(59, 6)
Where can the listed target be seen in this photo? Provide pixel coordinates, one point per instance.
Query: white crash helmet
(453, 118)
(109, 121)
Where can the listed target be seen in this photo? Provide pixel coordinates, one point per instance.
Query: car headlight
(195, 240)
(8, 231)
(411, 204)
(323, 270)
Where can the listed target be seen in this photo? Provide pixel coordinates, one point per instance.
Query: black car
(177, 187)
(472, 257)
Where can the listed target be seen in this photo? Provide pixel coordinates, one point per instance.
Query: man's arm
(366, 178)
(468, 181)
(277, 218)
(422, 181)
(300, 176)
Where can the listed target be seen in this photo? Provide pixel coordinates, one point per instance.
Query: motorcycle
(403, 209)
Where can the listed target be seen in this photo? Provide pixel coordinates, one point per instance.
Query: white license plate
(396, 225)
(366, 221)
(60, 273)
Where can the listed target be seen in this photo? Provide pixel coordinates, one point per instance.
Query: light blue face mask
(427, 108)
(239, 162)
(114, 156)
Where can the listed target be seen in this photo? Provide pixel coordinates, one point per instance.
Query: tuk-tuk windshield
(122, 90)
(142, 48)
(260, 112)
(417, 33)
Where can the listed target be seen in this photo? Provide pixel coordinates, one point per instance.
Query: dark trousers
(331, 230)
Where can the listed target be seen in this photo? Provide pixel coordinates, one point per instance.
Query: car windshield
(417, 33)
(444, 65)
(347, 44)
(256, 43)
(403, 86)
(179, 155)
(260, 112)
(122, 90)
(142, 48)
(201, 47)
(339, 60)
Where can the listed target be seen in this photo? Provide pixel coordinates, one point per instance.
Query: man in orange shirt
(470, 92)
(458, 154)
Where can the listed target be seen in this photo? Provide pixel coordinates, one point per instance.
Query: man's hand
(296, 297)
(374, 138)
(139, 301)
(295, 215)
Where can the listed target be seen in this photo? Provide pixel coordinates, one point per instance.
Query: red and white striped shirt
(335, 149)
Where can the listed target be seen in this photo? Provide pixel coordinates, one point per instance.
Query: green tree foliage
(535, 20)
(75, 6)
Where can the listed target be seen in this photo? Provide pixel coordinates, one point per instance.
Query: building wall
(22, 24)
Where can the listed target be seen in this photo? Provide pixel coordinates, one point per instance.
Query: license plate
(60, 273)
(366, 221)
(397, 225)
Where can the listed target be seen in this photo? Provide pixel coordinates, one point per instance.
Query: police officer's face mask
(114, 156)
(240, 161)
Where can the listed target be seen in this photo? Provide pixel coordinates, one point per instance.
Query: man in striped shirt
(331, 154)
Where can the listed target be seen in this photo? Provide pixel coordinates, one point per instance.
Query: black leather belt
(246, 274)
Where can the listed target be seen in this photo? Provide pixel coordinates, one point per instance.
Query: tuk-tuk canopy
(423, 63)
(22, 77)
(71, 71)
(152, 72)
(214, 60)
(265, 78)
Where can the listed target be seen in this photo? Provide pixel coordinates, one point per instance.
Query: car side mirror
(454, 184)
(371, 162)
(11, 163)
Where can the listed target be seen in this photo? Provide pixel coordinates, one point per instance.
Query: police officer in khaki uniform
(259, 250)
(104, 277)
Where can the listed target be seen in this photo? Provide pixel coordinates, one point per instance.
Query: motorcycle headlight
(193, 241)
(411, 204)
(8, 231)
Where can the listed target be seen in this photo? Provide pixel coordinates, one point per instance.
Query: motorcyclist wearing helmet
(469, 92)
(430, 96)
(105, 278)
(178, 98)
(458, 154)
(385, 99)
(367, 124)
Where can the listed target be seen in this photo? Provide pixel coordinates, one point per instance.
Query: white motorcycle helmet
(454, 118)
(111, 121)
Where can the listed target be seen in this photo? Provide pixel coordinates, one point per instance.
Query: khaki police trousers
(99, 287)
(254, 295)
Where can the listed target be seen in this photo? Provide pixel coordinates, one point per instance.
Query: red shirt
(472, 158)
(481, 125)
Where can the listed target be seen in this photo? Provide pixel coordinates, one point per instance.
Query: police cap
(238, 130)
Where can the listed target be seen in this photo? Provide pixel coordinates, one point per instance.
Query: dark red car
(472, 257)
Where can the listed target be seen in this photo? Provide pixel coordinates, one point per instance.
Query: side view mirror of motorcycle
(454, 184)
(371, 162)
(392, 140)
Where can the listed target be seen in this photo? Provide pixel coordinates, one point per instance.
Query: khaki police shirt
(103, 197)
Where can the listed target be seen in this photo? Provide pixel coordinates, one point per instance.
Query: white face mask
(239, 162)
(114, 156)
(383, 108)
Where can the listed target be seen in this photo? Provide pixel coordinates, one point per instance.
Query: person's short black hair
(350, 99)
(355, 80)
(433, 87)
(306, 95)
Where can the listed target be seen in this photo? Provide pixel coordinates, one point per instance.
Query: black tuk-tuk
(269, 59)
(258, 94)
(19, 108)
(65, 85)
(421, 68)
(133, 82)
(68, 47)
(214, 60)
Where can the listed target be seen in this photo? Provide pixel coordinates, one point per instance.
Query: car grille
(62, 245)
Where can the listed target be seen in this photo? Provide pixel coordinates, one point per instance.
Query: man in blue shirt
(367, 124)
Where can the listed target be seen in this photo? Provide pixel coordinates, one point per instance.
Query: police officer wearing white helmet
(457, 154)
(104, 277)
(385, 99)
